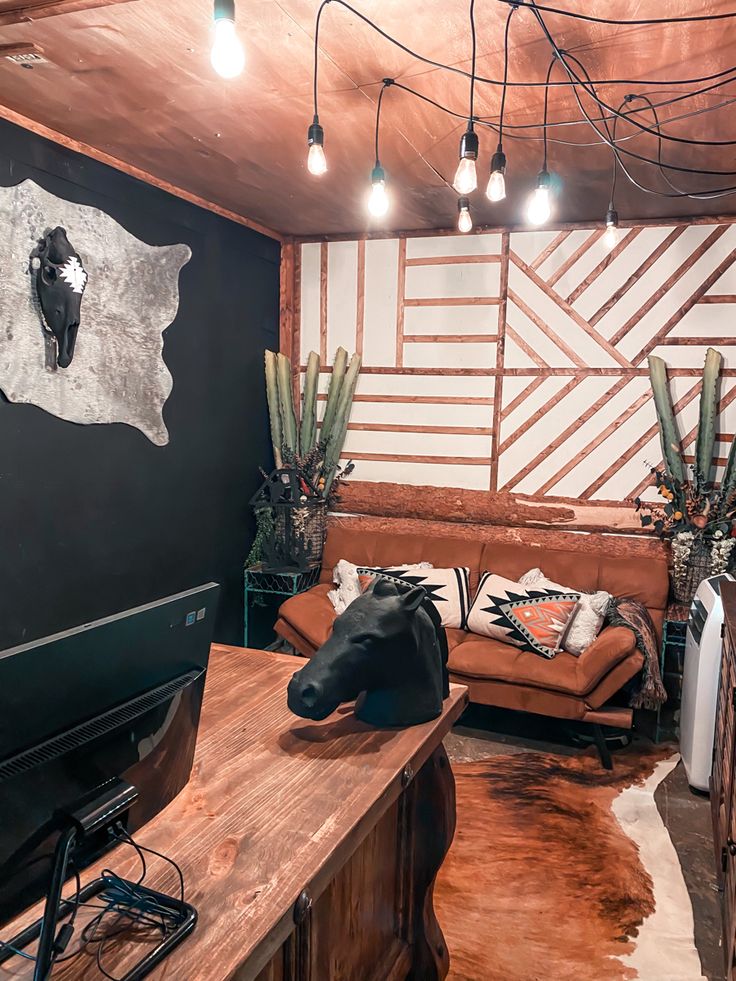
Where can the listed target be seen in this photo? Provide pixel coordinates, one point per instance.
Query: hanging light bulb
(539, 208)
(466, 179)
(316, 160)
(464, 218)
(227, 56)
(610, 236)
(378, 198)
(496, 190)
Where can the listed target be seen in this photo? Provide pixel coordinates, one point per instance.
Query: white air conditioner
(700, 678)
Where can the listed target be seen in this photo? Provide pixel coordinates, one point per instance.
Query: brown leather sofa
(566, 687)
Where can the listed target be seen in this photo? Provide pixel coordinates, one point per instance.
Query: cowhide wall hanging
(83, 304)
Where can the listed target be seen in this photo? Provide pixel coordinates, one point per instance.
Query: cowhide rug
(562, 871)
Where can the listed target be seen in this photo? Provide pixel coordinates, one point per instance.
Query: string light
(227, 55)
(316, 160)
(496, 190)
(378, 200)
(610, 236)
(466, 178)
(539, 205)
(464, 218)
(539, 208)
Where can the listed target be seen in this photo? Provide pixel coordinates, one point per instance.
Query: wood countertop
(275, 805)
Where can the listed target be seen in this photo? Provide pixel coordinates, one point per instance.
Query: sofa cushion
(311, 614)
(484, 658)
(447, 589)
(533, 619)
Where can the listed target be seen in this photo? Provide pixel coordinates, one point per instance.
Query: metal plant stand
(264, 591)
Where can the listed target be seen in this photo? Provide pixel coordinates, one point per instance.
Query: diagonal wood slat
(636, 276)
(580, 251)
(604, 264)
(570, 430)
(571, 312)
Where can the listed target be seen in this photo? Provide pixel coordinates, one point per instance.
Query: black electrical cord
(505, 76)
(490, 81)
(621, 23)
(386, 83)
(589, 88)
(474, 50)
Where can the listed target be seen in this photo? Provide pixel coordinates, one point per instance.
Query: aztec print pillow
(587, 620)
(532, 618)
(448, 589)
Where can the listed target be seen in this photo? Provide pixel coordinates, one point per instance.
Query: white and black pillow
(448, 589)
(532, 618)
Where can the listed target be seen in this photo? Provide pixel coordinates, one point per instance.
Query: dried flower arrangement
(697, 514)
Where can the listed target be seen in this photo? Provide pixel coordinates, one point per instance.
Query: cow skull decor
(60, 283)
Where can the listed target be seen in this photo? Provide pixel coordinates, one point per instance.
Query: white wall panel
(342, 297)
(381, 286)
(310, 299)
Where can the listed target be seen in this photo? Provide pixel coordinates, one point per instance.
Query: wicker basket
(301, 531)
(690, 569)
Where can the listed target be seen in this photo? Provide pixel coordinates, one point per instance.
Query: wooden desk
(309, 848)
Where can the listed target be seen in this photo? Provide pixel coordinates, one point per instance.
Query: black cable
(474, 49)
(386, 83)
(590, 90)
(621, 23)
(316, 54)
(505, 77)
(546, 109)
(490, 81)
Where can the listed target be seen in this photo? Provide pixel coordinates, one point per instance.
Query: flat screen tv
(117, 700)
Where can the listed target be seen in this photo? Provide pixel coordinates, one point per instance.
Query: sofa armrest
(611, 646)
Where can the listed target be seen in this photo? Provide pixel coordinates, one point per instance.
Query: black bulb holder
(543, 179)
(612, 218)
(469, 145)
(224, 10)
(378, 174)
(498, 162)
(463, 204)
(315, 133)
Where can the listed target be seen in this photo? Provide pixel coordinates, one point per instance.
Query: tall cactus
(286, 403)
(728, 484)
(708, 416)
(333, 393)
(308, 434)
(340, 426)
(274, 411)
(668, 434)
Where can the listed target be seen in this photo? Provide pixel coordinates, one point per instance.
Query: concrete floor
(484, 732)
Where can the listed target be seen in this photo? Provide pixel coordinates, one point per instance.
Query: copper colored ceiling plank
(89, 151)
(27, 12)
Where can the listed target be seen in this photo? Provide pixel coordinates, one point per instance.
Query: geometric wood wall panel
(518, 361)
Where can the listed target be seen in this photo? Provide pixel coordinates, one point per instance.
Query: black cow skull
(60, 283)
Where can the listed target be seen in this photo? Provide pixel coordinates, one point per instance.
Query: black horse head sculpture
(60, 283)
(388, 645)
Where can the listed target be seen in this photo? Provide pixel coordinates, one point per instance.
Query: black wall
(96, 519)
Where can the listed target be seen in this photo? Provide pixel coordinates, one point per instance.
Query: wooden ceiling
(134, 80)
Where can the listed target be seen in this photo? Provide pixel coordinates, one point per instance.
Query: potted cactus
(697, 514)
(291, 506)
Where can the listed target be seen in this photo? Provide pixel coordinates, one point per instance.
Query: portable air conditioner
(700, 678)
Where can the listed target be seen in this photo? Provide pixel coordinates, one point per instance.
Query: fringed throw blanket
(623, 612)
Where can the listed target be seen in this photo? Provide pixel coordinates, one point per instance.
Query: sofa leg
(603, 750)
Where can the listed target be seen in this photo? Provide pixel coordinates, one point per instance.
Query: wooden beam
(132, 171)
(25, 13)
(459, 508)
(451, 260)
(453, 338)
